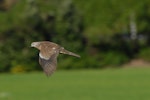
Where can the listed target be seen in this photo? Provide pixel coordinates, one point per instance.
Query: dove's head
(36, 45)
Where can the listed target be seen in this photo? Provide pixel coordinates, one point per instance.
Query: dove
(48, 53)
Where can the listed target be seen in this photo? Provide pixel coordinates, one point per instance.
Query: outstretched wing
(48, 65)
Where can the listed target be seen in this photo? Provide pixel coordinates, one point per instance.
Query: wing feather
(49, 65)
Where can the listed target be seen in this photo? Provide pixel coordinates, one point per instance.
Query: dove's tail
(69, 53)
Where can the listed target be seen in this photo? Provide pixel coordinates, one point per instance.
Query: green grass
(110, 84)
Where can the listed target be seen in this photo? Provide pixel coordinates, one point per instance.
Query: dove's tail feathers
(69, 53)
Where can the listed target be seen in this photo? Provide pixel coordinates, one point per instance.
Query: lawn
(108, 84)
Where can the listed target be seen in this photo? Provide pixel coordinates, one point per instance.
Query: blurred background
(106, 33)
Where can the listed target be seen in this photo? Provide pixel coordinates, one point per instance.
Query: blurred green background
(98, 30)
(118, 84)
(110, 35)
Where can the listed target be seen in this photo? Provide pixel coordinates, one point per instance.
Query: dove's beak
(33, 44)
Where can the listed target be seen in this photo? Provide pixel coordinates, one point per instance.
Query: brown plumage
(48, 55)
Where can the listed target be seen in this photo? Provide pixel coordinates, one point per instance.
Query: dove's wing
(48, 58)
(49, 65)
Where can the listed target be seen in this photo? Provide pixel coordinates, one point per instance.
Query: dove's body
(48, 55)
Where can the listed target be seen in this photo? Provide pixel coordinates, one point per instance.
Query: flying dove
(48, 55)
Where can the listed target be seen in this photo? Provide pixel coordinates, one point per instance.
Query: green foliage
(91, 28)
(113, 59)
(18, 69)
(86, 61)
(38, 21)
(145, 54)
